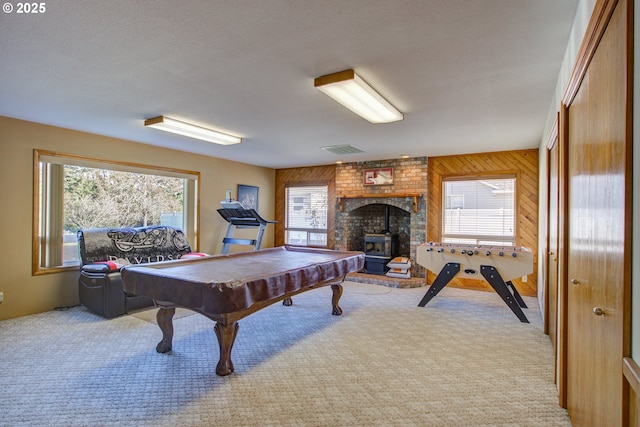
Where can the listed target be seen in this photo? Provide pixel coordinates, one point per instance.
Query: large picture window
(78, 193)
(479, 211)
(306, 215)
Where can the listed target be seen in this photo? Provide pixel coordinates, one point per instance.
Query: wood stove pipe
(386, 219)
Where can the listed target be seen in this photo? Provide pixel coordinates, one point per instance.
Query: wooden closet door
(598, 241)
(551, 306)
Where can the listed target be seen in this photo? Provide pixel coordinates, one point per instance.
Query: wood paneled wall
(318, 175)
(524, 165)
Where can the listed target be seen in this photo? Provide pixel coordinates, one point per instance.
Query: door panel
(597, 240)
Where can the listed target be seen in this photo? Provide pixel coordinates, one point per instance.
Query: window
(306, 215)
(75, 193)
(479, 211)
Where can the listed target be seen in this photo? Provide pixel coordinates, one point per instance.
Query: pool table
(227, 288)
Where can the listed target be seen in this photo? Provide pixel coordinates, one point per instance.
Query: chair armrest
(101, 267)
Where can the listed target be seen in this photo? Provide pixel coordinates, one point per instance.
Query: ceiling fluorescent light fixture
(192, 131)
(350, 90)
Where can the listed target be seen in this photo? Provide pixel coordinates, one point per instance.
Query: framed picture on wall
(383, 176)
(248, 196)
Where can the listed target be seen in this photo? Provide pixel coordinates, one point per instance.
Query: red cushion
(112, 265)
(191, 255)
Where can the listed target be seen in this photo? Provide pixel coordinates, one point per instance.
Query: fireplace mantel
(414, 196)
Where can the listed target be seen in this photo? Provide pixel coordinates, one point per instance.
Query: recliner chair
(104, 251)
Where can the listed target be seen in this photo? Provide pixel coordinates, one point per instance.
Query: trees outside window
(106, 198)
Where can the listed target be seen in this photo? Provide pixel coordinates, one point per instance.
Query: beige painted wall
(26, 294)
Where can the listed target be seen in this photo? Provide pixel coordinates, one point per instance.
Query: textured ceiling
(469, 75)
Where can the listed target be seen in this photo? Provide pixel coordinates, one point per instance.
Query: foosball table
(498, 265)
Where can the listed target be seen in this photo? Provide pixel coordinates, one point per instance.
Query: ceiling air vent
(343, 149)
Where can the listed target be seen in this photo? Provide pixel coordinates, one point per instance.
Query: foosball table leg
(446, 274)
(516, 294)
(495, 280)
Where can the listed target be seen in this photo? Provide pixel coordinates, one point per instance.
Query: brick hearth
(390, 282)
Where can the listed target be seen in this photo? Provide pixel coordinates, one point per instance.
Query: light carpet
(463, 360)
(149, 314)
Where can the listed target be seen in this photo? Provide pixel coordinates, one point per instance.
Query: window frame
(51, 214)
(480, 177)
(286, 227)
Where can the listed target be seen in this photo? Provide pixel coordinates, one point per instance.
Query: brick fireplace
(360, 216)
(400, 207)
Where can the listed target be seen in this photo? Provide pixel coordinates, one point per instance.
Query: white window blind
(306, 215)
(479, 211)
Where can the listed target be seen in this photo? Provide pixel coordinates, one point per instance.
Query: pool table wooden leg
(165, 321)
(337, 293)
(226, 334)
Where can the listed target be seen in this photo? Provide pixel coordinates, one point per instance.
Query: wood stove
(379, 249)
